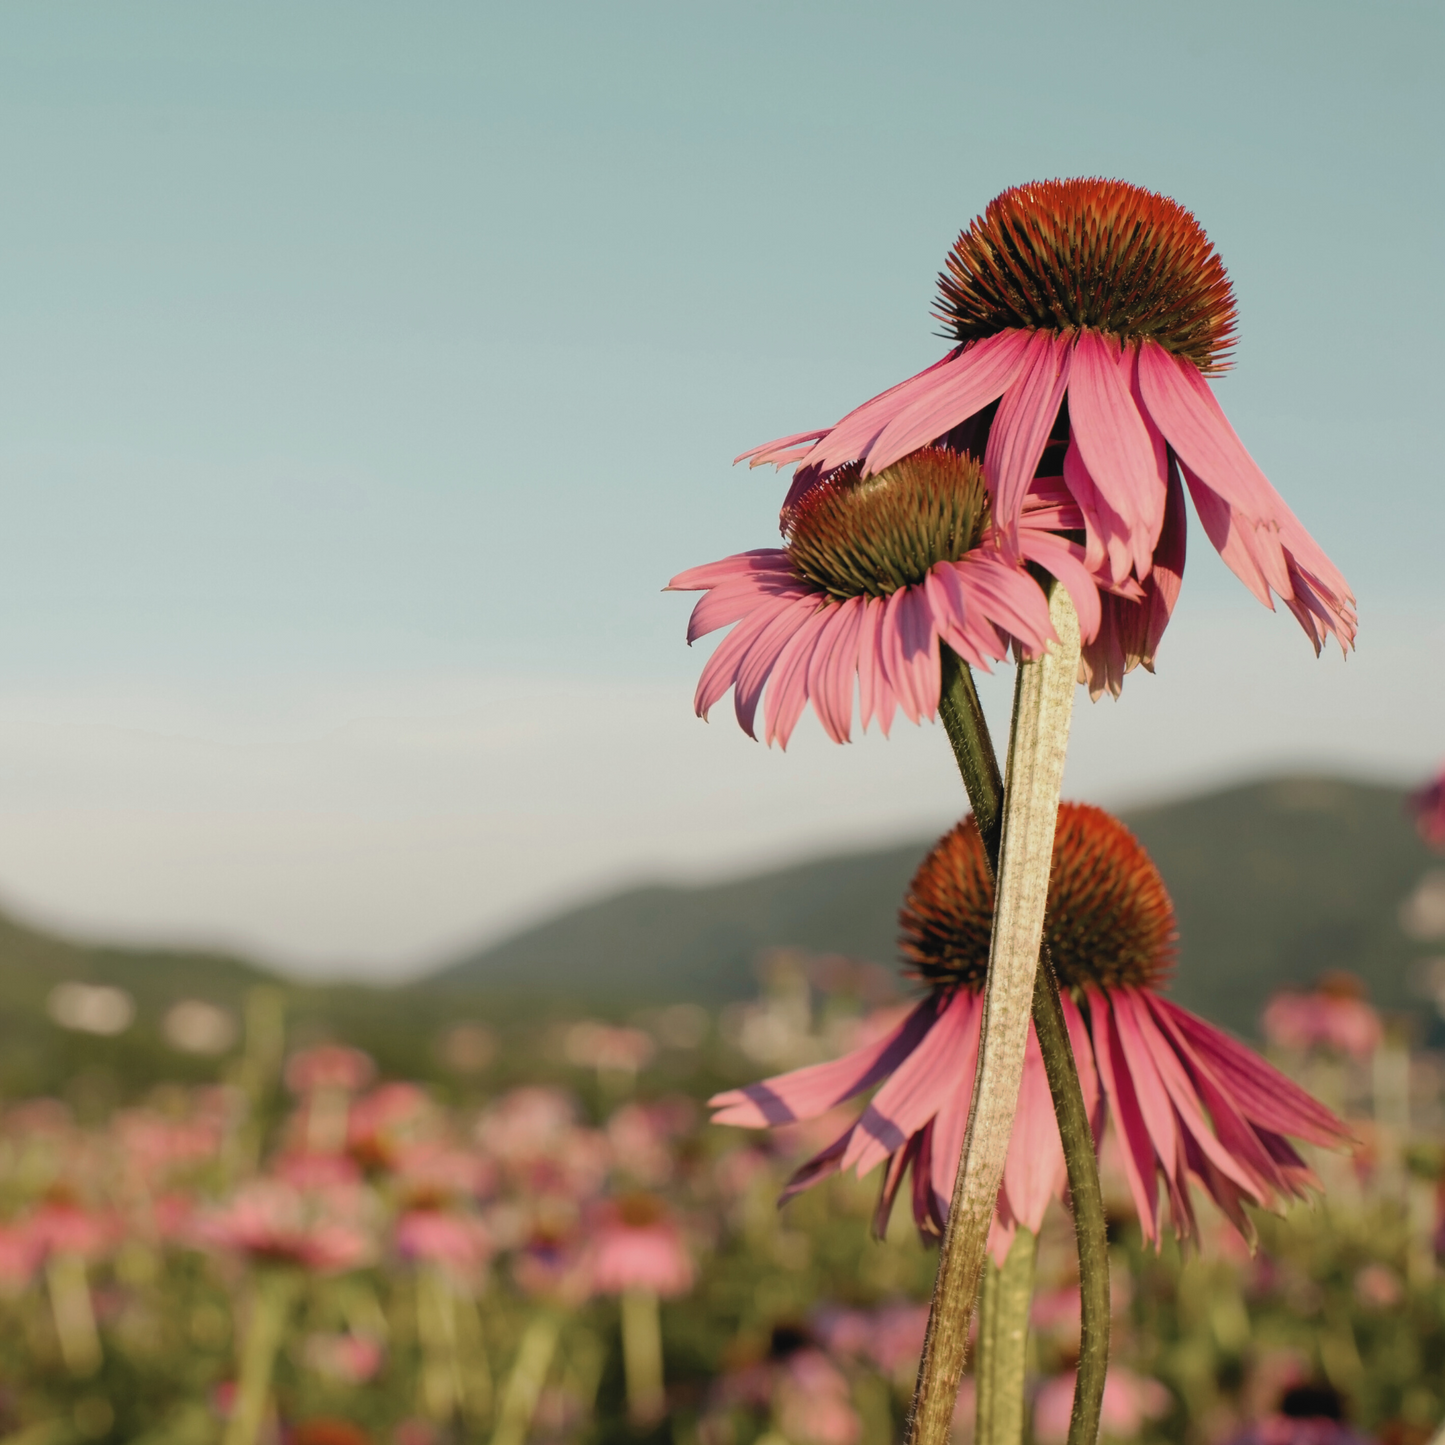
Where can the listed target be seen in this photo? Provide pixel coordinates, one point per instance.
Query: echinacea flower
(1090, 313)
(1428, 806)
(1334, 1016)
(1188, 1102)
(637, 1246)
(876, 573)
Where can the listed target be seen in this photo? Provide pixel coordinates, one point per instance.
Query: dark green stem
(968, 733)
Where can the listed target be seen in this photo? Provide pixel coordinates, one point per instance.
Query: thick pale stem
(968, 733)
(1003, 1343)
(529, 1374)
(269, 1310)
(1043, 708)
(642, 1357)
(70, 1307)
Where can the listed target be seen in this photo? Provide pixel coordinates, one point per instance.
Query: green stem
(984, 1359)
(968, 733)
(270, 1307)
(1003, 1343)
(642, 1357)
(529, 1373)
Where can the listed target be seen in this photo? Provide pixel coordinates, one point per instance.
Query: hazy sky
(366, 369)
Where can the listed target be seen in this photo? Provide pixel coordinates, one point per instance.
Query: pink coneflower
(1428, 806)
(1334, 1016)
(1130, 1402)
(458, 1241)
(1187, 1101)
(1087, 315)
(876, 573)
(271, 1221)
(637, 1245)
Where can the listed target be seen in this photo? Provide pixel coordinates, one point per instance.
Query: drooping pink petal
(1265, 1096)
(1114, 442)
(1008, 597)
(806, 1093)
(721, 670)
(851, 437)
(788, 691)
(1065, 560)
(1084, 1062)
(1025, 417)
(1136, 1151)
(980, 374)
(910, 1097)
(782, 451)
(1034, 1167)
(1106, 533)
(898, 1163)
(950, 1124)
(1129, 1005)
(824, 1163)
(1232, 536)
(832, 688)
(760, 659)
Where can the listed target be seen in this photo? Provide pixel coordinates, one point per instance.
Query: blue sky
(366, 369)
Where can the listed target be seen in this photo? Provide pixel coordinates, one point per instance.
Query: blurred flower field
(544, 1240)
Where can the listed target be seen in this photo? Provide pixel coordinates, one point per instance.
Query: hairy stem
(1024, 828)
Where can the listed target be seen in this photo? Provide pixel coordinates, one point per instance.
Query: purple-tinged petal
(823, 1164)
(807, 1093)
(898, 1163)
(1264, 1095)
(1106, 532)
(761, 560)
(1136, 1150)
(1025, 417)
(930, 1208)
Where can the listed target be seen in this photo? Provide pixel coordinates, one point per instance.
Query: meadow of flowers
(302, 1251)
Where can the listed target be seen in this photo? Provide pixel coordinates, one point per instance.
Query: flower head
(1086, 316)
(877, 571)
(1189, 1104)
(1334, 1016)
(636, 1245)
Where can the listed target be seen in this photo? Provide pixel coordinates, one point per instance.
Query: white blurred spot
(196, 1027)
(91, 1008)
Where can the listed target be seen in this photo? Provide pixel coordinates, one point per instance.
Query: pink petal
(1084, 1062)
(1137, 1152)
(1025, 417)
(782, 451)
(950, 1124)
(850, 439)
(980, 374)
(820, 1166)
(918, 1086)
(1264, 1095)
(1034, 1169)
(721, 670)
(765, 560)
(757, 665)
(1106, 532)
(1066, 561)
(833, 691)
(788, 682)
(1130, 1003)
(806, 1093)
(1114, 443)
(1232, 536)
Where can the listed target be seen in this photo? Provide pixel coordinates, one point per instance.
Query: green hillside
(1274, 882)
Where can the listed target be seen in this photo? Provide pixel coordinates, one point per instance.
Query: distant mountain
(1274, 882)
